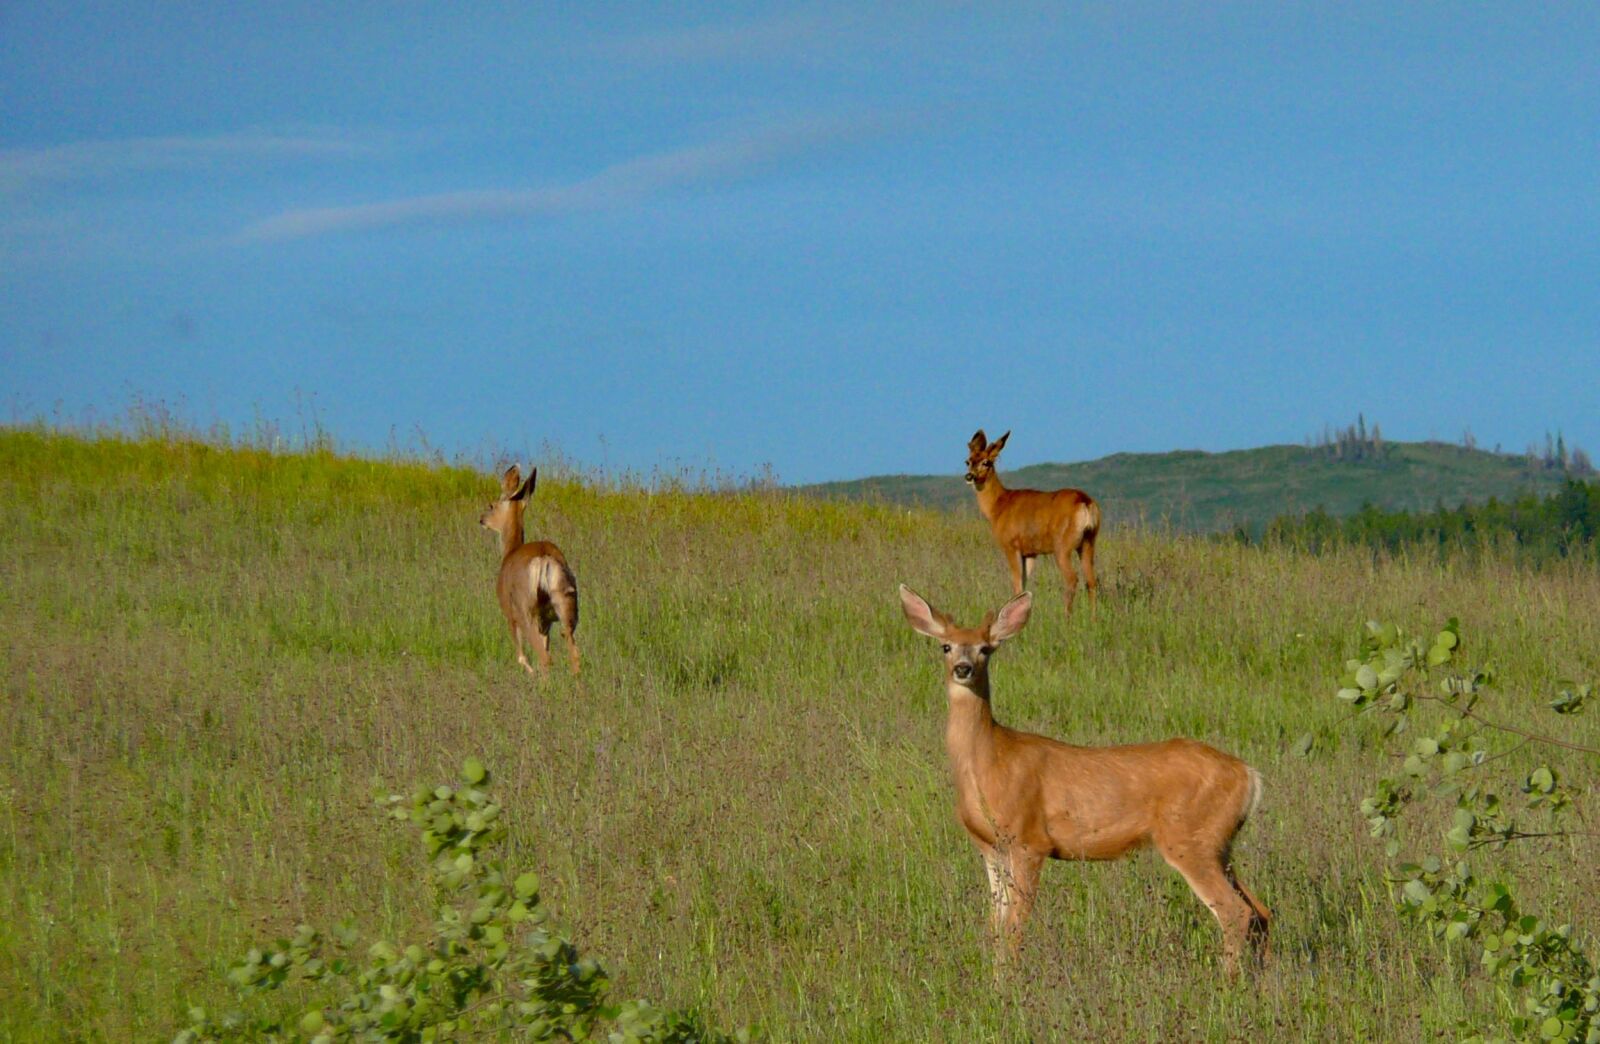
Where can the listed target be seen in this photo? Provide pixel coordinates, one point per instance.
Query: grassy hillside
(1205, 492)
(743, 804)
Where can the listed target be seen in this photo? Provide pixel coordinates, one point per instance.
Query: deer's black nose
(963, 671)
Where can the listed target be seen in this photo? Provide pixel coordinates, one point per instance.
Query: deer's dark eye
(944, 648)
(986, 649)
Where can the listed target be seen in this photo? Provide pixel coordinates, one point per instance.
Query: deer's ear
(977, 442)
(923, 618)
(511, 480)
(1009, 620)
(527, 487)
(997, 445)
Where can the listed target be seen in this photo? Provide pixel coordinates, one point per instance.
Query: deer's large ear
(1009, 620)
(977, 442)
(526, 487)
(924, 618)
(511, 480)
(997, 445)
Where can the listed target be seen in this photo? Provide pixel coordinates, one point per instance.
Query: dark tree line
(1565, 524)
(1353, 442)
(1359, 442)
(1557, 457)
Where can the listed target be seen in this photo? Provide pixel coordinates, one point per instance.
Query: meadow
(211, 656)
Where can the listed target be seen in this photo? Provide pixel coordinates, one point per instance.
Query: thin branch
(1504, 753)
(1520, 835)
(1533, 736)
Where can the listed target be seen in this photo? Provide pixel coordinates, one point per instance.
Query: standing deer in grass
(1028, 522)
(1025, 798)
(536, 586)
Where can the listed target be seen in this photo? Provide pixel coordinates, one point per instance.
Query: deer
(1028, 522)
(535, 585)
(1024, 798)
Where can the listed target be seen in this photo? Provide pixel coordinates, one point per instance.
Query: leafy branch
(1449, 758)
(494, 967)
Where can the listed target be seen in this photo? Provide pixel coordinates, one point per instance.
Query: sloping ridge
(1195, 491)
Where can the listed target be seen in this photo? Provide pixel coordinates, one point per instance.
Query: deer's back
(1098, 802)
(1031, 520)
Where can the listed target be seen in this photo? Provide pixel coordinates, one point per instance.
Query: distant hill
(1206, 492)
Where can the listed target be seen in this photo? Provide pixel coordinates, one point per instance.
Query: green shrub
(1487, 781)
(494, 967)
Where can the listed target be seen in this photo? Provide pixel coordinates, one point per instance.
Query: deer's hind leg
(1086, 559)
(566, 609)
(539, 622)
(1065, 545)
(1260, 920)
(1212, 885)
(516, 643)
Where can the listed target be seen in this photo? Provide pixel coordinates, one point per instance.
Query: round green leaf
(473, 771)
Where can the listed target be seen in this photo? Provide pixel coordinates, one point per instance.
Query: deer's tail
(1253, 799)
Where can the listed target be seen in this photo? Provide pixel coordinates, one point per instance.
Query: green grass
(1204, 492)
(742, 805)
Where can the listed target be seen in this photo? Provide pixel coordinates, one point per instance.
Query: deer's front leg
(1016, 563)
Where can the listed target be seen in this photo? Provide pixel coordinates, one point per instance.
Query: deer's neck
(511, 536)
(969, 732)
(989, 495)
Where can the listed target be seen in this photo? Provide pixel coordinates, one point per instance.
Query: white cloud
(707, 42)
(618, 184)
(22, 168)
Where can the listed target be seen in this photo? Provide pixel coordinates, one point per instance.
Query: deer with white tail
(1027, 523)
(536, 586)
(1025, 798)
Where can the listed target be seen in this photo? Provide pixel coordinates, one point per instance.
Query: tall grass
(742, 804)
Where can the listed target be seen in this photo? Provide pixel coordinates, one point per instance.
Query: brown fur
(1028, 522)
(1025, 798)
(536, 586)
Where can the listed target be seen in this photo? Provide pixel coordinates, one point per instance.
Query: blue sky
(826, 238)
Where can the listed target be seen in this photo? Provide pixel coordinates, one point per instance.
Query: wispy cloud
(751, 39)
(22, 168)
(619, 184)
